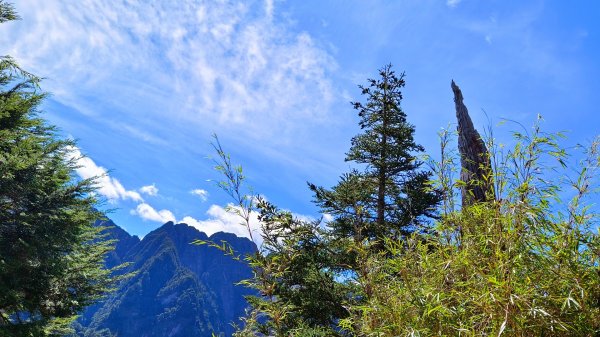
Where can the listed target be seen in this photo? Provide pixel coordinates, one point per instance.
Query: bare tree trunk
(474, 157)
(382, 168)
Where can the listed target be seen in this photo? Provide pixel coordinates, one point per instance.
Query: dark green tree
(391, 197)
(51, 255)
(300, 295)
(388, 200)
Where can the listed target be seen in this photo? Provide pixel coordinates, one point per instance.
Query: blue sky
(143, 85)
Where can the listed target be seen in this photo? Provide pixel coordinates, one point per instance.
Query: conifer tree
(390, 197)
(309, 276)
(51, 255)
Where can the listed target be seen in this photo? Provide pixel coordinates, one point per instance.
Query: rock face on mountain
(179, 289)
(124, 242)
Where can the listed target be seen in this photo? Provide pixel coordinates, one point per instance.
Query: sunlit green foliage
(295, 274)
(524, 265)
(297, 291)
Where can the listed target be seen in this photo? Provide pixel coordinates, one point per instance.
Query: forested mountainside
(178, 289)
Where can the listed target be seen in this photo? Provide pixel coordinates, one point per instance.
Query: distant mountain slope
(124, 242)
(180, 289)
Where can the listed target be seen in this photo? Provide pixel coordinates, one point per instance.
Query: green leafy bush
(526, 264)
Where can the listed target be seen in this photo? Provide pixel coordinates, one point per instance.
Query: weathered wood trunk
(474, 157)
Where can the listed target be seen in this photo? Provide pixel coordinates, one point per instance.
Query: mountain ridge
(178, 289)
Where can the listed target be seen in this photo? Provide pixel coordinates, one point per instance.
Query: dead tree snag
(474, 157)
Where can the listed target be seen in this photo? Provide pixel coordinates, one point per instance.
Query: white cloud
(109, 187)
(226, 62)
(150, 190)
(220, 220)
(148, 212)
(203, 194)
(452, 3)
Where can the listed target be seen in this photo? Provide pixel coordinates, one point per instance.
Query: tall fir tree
(310, 276)
(390, 198)
(51, 255)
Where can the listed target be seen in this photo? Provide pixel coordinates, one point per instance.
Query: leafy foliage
(525, 265)
(298, 294)
(293, 273)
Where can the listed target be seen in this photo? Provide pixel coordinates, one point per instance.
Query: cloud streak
(452, 3)
(218, 220)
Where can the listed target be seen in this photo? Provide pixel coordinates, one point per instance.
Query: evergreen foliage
(309, 274)
(51, 258)
(390, 198)
(398, 257)
(299, 291)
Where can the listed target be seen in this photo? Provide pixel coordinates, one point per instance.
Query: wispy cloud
(109, 187)
(218, 218)
(223, 219)
(452, 3)
(217, 62)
